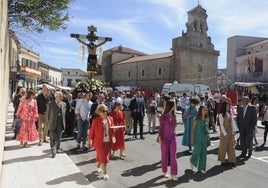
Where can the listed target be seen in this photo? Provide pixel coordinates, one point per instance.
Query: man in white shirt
(82, 111)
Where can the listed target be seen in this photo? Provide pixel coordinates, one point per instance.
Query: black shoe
(232, 165)
(225, 164)
(78, 146)
(242, 155)
(142, 138)
(249, 154)
(84, 148)
(53, 155)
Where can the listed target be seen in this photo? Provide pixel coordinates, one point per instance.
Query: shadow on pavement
(71, 177)
(26, 159)
(139, 171)
(153, 183)
(86, 162)
(94, 176)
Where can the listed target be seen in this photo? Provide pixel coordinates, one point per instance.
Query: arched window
(142, 72)
(129, 74)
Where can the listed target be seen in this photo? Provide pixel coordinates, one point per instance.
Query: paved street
(141, 168)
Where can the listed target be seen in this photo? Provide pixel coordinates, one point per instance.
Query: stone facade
(192, 60)
(148, 72)
(111, 57)
(195, 60)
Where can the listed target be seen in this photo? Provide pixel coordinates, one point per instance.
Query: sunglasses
(104, 111)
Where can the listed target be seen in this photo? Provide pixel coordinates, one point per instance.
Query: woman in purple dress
(167, 139)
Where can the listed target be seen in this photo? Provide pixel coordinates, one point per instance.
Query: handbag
(17, 124)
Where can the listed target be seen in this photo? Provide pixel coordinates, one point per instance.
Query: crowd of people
(102, 122)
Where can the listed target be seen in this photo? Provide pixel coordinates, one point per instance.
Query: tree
(36, 15)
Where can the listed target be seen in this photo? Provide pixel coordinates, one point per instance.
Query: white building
(71, 76)
(55, 76)
(247, 59)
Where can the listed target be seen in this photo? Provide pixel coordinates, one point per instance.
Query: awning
(64, 88)
(41, 85)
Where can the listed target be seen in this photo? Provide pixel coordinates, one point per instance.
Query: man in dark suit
(246, 121)
(137, 106)
(55, 112)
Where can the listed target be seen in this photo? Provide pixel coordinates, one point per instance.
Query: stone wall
(195, 66)
(4, 74)
(144, 74)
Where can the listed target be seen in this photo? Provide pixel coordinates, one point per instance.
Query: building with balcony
(50, 75)
(30, 73)
(44, 69)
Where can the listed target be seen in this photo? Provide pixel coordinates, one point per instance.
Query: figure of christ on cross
(92, 64)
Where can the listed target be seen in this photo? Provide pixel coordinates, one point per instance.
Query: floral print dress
(28, 114)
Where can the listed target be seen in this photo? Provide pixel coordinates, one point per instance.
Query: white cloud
(144, 27)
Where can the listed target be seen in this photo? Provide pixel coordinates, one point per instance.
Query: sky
(148, 26)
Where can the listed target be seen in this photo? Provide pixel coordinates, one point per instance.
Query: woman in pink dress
(28, 114)
(119, 120)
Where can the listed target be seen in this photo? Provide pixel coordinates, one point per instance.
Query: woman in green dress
(190, 115)
(200, 140)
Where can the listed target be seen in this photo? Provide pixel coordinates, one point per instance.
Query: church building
(192, 59)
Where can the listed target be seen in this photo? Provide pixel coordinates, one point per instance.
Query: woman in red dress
(119, 120)
(100, 137)
(28, 114)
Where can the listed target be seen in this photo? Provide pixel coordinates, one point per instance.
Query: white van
(189, 89)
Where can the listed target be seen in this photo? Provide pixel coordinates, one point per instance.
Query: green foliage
(94, 85)
(36, 15)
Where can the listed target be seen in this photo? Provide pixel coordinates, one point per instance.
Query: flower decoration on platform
(94, 85)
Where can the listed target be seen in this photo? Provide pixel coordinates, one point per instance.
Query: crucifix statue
(92, 64)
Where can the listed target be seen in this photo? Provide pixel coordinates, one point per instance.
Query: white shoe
(99, 170)
(203, 171)
(166, 175)
(105, 177)
(174, 177)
